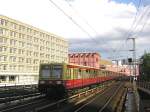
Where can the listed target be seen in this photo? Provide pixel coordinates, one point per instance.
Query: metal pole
(134, 58)
(117, 62)
(130, 72)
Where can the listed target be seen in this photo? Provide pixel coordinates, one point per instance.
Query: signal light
(129, 60)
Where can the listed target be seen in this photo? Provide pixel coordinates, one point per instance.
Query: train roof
(71, 65)
(76, 66)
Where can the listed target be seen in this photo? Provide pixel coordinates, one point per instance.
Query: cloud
(109, 19)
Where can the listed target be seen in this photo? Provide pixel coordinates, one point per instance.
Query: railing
(137, 97)
(145, 85)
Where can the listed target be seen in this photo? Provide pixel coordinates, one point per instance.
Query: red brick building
(86, 59)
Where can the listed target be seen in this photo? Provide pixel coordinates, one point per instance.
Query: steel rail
(72, 97)
(60, 101)
(92, 100)
(21, 100)
(36, 109)
(18, 97)
(110, 99)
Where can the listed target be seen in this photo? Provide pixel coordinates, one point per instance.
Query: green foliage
(145, 66)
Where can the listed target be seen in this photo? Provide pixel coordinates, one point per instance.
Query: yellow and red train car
(59, 78)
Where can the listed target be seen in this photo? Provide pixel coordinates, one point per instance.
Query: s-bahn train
(58, 79)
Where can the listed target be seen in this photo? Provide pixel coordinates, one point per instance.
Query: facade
(122, 69)
(23, 48)
(86, 59)
(125, 69)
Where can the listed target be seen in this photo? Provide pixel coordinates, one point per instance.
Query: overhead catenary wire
(70, 18)
(87, 23)
(74, 21)
(144, 24)
(79, 26)
(141, 18)
(81, 17)
(129, 32)
(144, 21)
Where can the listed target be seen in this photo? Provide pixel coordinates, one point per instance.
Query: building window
(3, 22)
(21, 44)
(35, 61)
(13, 42)
(36, 54)
(96, 59)
(12, 59)
(28, 60)
(3, 49)
(3, 40)
(13, 50)
(2, 78)
(13, 25)
(42, 48)
(3, 32)
(21, 59)
(3, 58)
(12, 78)
(12, 67)
(4, 67)
(29, 53)
(42, 55)
(20, 51)
(12, 33)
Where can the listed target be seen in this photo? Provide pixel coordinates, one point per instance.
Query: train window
(79, 74)
(71, 73)
(79, 70)
(57, 71)
(68, 76)
(45, 71)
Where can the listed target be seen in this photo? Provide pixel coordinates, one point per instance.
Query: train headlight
(58, 82)
(50, 82)
(42, 82)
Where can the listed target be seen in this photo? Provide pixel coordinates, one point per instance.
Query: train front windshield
(51, 71)
(57, 71)
(45, 71)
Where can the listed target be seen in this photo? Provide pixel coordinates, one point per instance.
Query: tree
(145, 67)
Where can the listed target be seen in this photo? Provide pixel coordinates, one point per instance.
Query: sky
(90, 25)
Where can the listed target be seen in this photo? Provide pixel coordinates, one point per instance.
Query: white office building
(22, 49)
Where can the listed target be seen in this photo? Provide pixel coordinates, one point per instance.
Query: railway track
(17, 99)
(7, 91)
(45, 105)
(17, 94)
(25, 105)
(100, 103)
